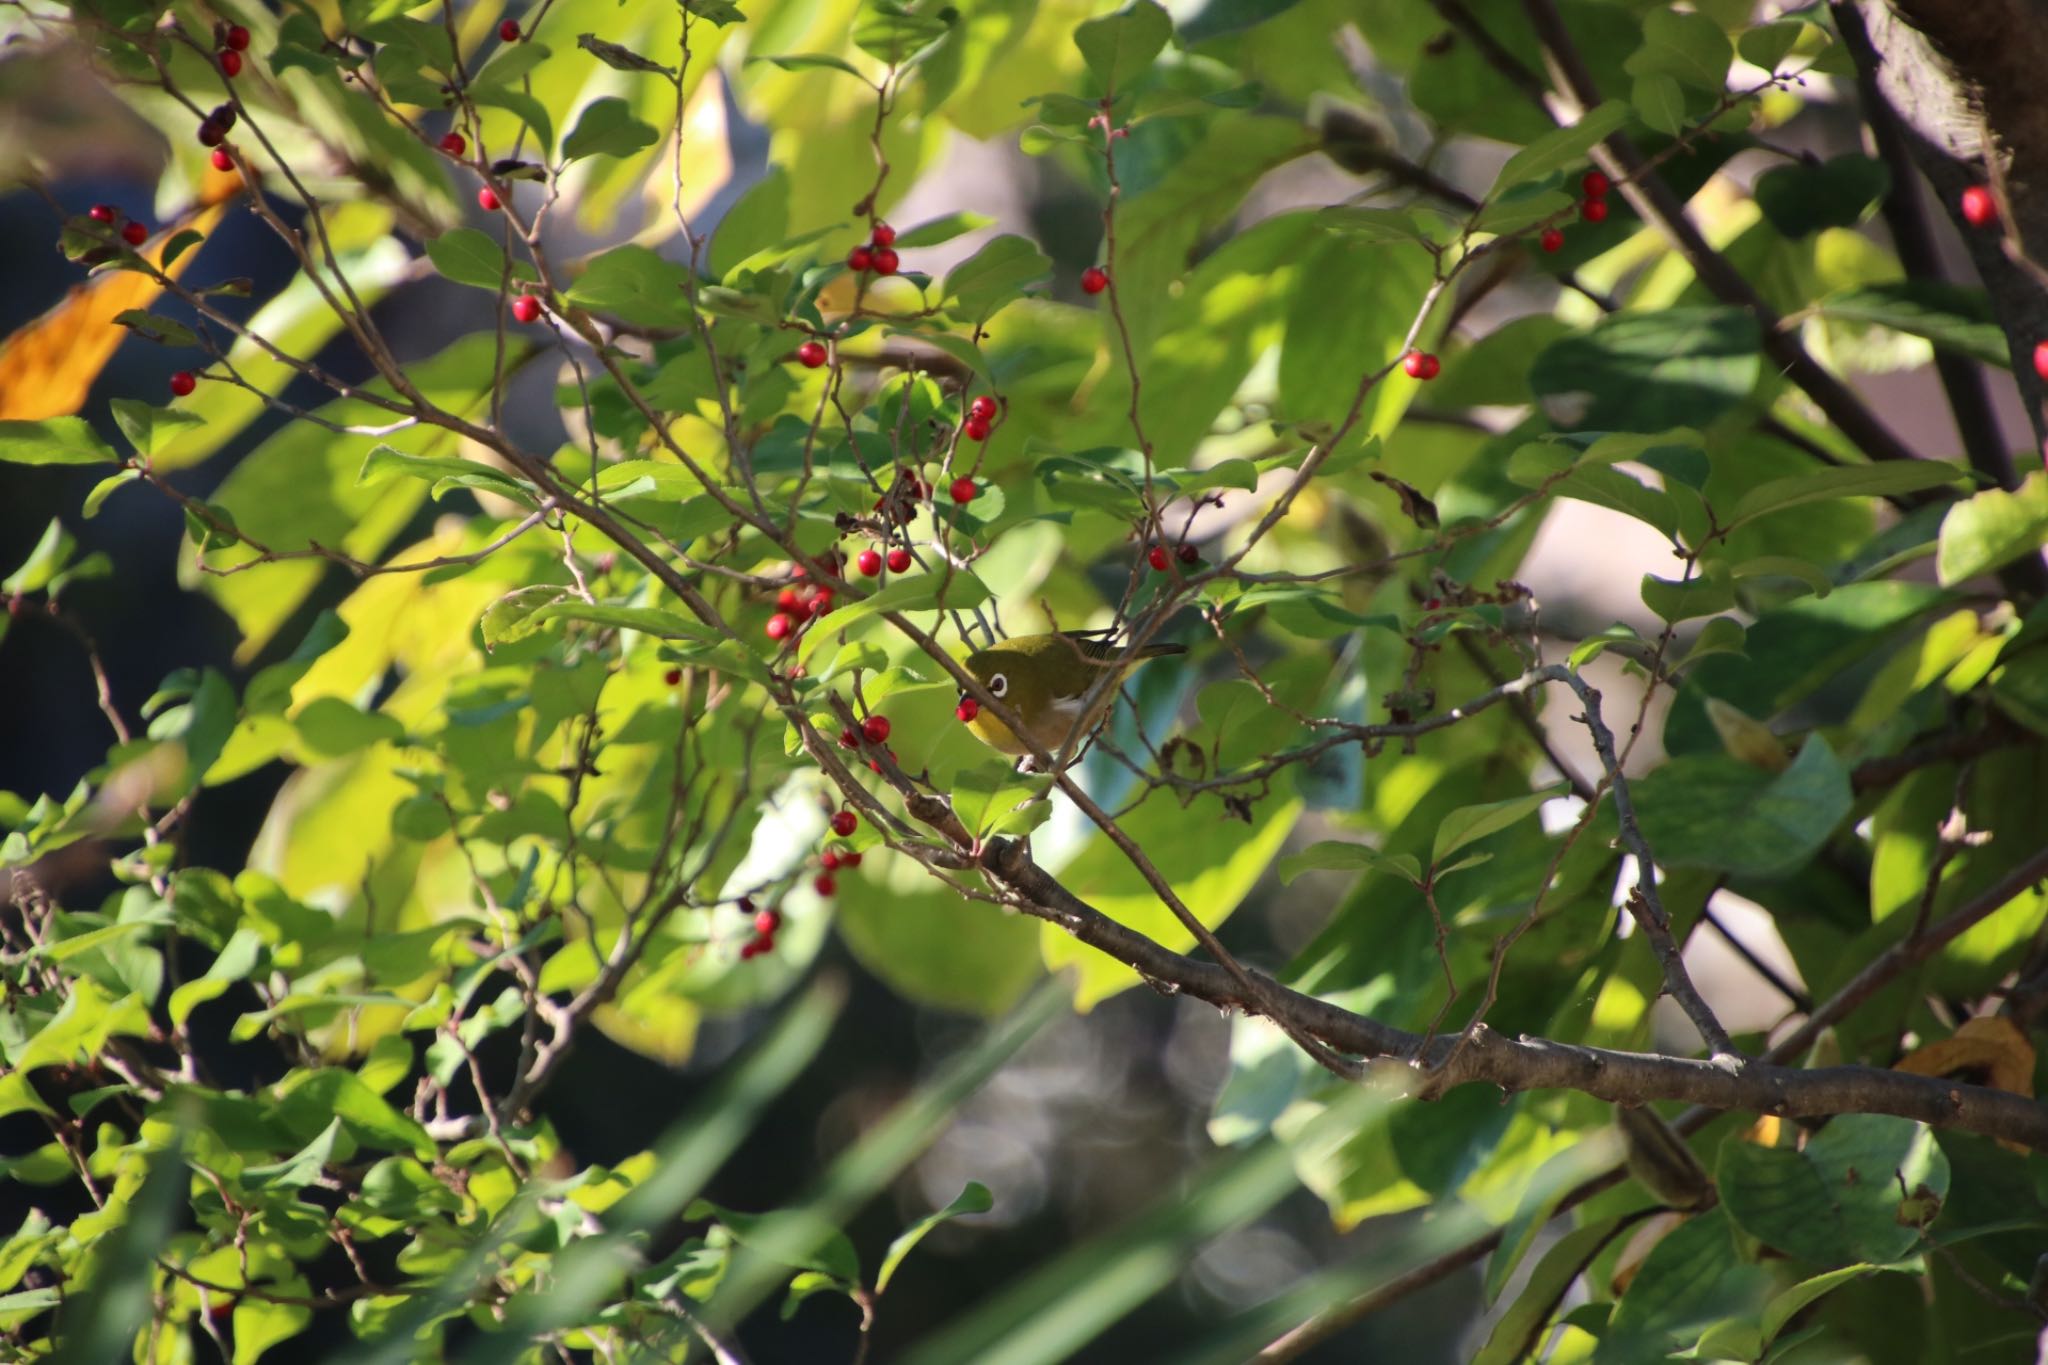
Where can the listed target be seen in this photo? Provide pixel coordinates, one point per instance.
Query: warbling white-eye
(1045, 679)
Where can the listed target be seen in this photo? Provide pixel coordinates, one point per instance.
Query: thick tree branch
(1534, 1063)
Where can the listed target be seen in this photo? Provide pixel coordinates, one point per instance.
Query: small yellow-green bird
(1044, 679)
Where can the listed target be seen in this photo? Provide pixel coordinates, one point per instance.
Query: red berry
(1595, 185)
(1188, 555)
(883, 235)
(1552, 240)
(886, 260)
(455, 144)
(849, 859)
(134, 234)
(237, 37)
(829, 860)
(1420, 365)
(788, 600)
(820, 603)
(823, 884)
(526, 308)
(778, 626)
(860, 259)
(222, 161)
(750, 950)
(876, 728)
(768, 922)
(1979, 208)
(1094, 280)
(183, 383)
(964, 490)
(848, 740)
(2041, 359)
(899, 560)
(1594, 210)
(844, 822)
(1158, 558)
(231, 63)
(975, 429)
(869, 563)
(673, 677)
(487, 199)
(811, 354)
(103, 213)
(967, 710)
(983, 407)
(509, 31)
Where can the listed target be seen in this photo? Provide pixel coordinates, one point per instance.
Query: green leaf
(1953, 317)
(470, 257)
(1800, 199)
(717, 12)
(52, 551)
(1712, 811)
(973, 1199)
(1374, 225)
(1651, 371)
(1706, 594)
(623, 58)
(1339, 855)
(1516, 1332)
(807, 61)
(57, 440)
(944, 229)
(607, 127)
(994, 275)
(1555, 151)
(148, 427)
(385, 462)
(1469, 824)
(1690, 1280)
(1839, 1200)
(527, 110)
(1991, 529)
(636, 285)
(511, 618)
(1687, 46)
(103, 1320)
(1884, 479)
(1119, 47)
(1767, 44)
(987, 796)
(1659, 102)
(156, 329)
(894, 33)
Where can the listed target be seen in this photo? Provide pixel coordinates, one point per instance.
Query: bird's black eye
(998, 686)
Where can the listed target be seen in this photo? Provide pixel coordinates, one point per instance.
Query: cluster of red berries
(234, 41)
(844, 823)
(796, 608)
(215, 127)
(1421, 365)
(878, 256)
(875, 730)
(1158, 558)
(133, 233)
(980, 413)
(765, 923)
(1593, 208)
(870, 561)
(1979, 206)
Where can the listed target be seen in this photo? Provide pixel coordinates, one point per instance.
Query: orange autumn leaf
(48, 366)
(1990, 1044)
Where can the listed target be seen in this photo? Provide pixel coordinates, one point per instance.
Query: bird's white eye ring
(999, 686)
